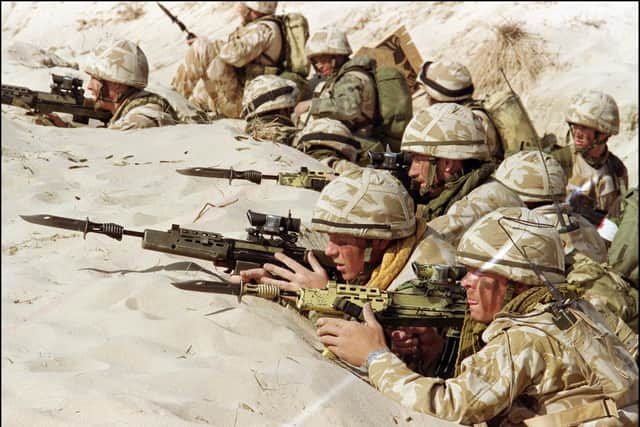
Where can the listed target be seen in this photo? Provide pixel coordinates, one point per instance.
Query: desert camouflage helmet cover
(266, 7)
(488, 247)
(446, 81)
(596, 110)
(584, 239)
(446, 130)
(329, 133)
(365, 203)
(328, 41)
(123, 62)
(524, 173)
(266, 93)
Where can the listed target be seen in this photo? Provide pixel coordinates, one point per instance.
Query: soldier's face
(583, 136)
(348, 254)
(324, 64)
(485, 294)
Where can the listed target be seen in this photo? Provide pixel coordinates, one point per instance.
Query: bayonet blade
(58, 222)
(206, 172)
(209, 286)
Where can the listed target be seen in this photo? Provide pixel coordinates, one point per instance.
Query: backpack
(294, 28)
(623, 253)
(395, 104)
(510, 120)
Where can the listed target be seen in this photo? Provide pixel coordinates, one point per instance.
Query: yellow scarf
(395, 258)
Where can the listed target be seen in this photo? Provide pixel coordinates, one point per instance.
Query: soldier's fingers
(290, 262)
(329, 340)
(313, 261)
(279, 271)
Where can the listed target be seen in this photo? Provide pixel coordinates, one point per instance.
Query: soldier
(539, 187)
(541, 364)
(450, 163)
(370, 221)
(267, 104)
(594, 172)
(449, 81)
(119, 75)
(213, 74)
(585, 251)
(330, 141)
(349, 93)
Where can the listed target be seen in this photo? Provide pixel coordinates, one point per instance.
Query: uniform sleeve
(144, 116)
(463, 213)
(344, 103)
(246, 45)
(490, 381)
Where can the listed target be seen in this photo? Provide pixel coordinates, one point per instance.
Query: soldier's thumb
(369, 317)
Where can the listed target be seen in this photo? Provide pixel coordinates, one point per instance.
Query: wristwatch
(373, 356)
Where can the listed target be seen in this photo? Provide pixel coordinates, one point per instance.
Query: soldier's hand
(56, 120)
(403, 341)
(251, 275)
(298, 276)
(301, 108)
(191, 40)
(352, 341)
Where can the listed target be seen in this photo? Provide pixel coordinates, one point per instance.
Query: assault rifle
(268, 235)
(66, 96)
(313, 180)
(434, 298)
(178, 22)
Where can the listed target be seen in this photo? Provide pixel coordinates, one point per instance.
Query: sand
(92, 331)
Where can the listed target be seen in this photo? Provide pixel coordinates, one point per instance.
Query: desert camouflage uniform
(370, 204)
(331, 141)
(350, 94)
(531, 371)
(213, 74)
(449, 81)
(604, 179)
(267, 103)
(451, 131)
(584, 250)
(142, 110)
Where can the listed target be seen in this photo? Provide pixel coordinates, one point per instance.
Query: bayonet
(178, 22)
(313, 180)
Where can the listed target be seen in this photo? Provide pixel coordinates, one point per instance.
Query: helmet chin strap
(431, 177)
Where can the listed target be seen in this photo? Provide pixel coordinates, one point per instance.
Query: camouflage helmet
(267, 93)
(328, 41)
(446, 81)
(329, 133)
(488, 247)
(524, 173)
(365, 203)
(266, 7)
(585, 239)
(123, 62)
(596, 110)
(446, 130)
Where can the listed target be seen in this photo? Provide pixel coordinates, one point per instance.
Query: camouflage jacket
(143, 109)
(529, 370)
(603, 184)
(462, 214)
(349, 97)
